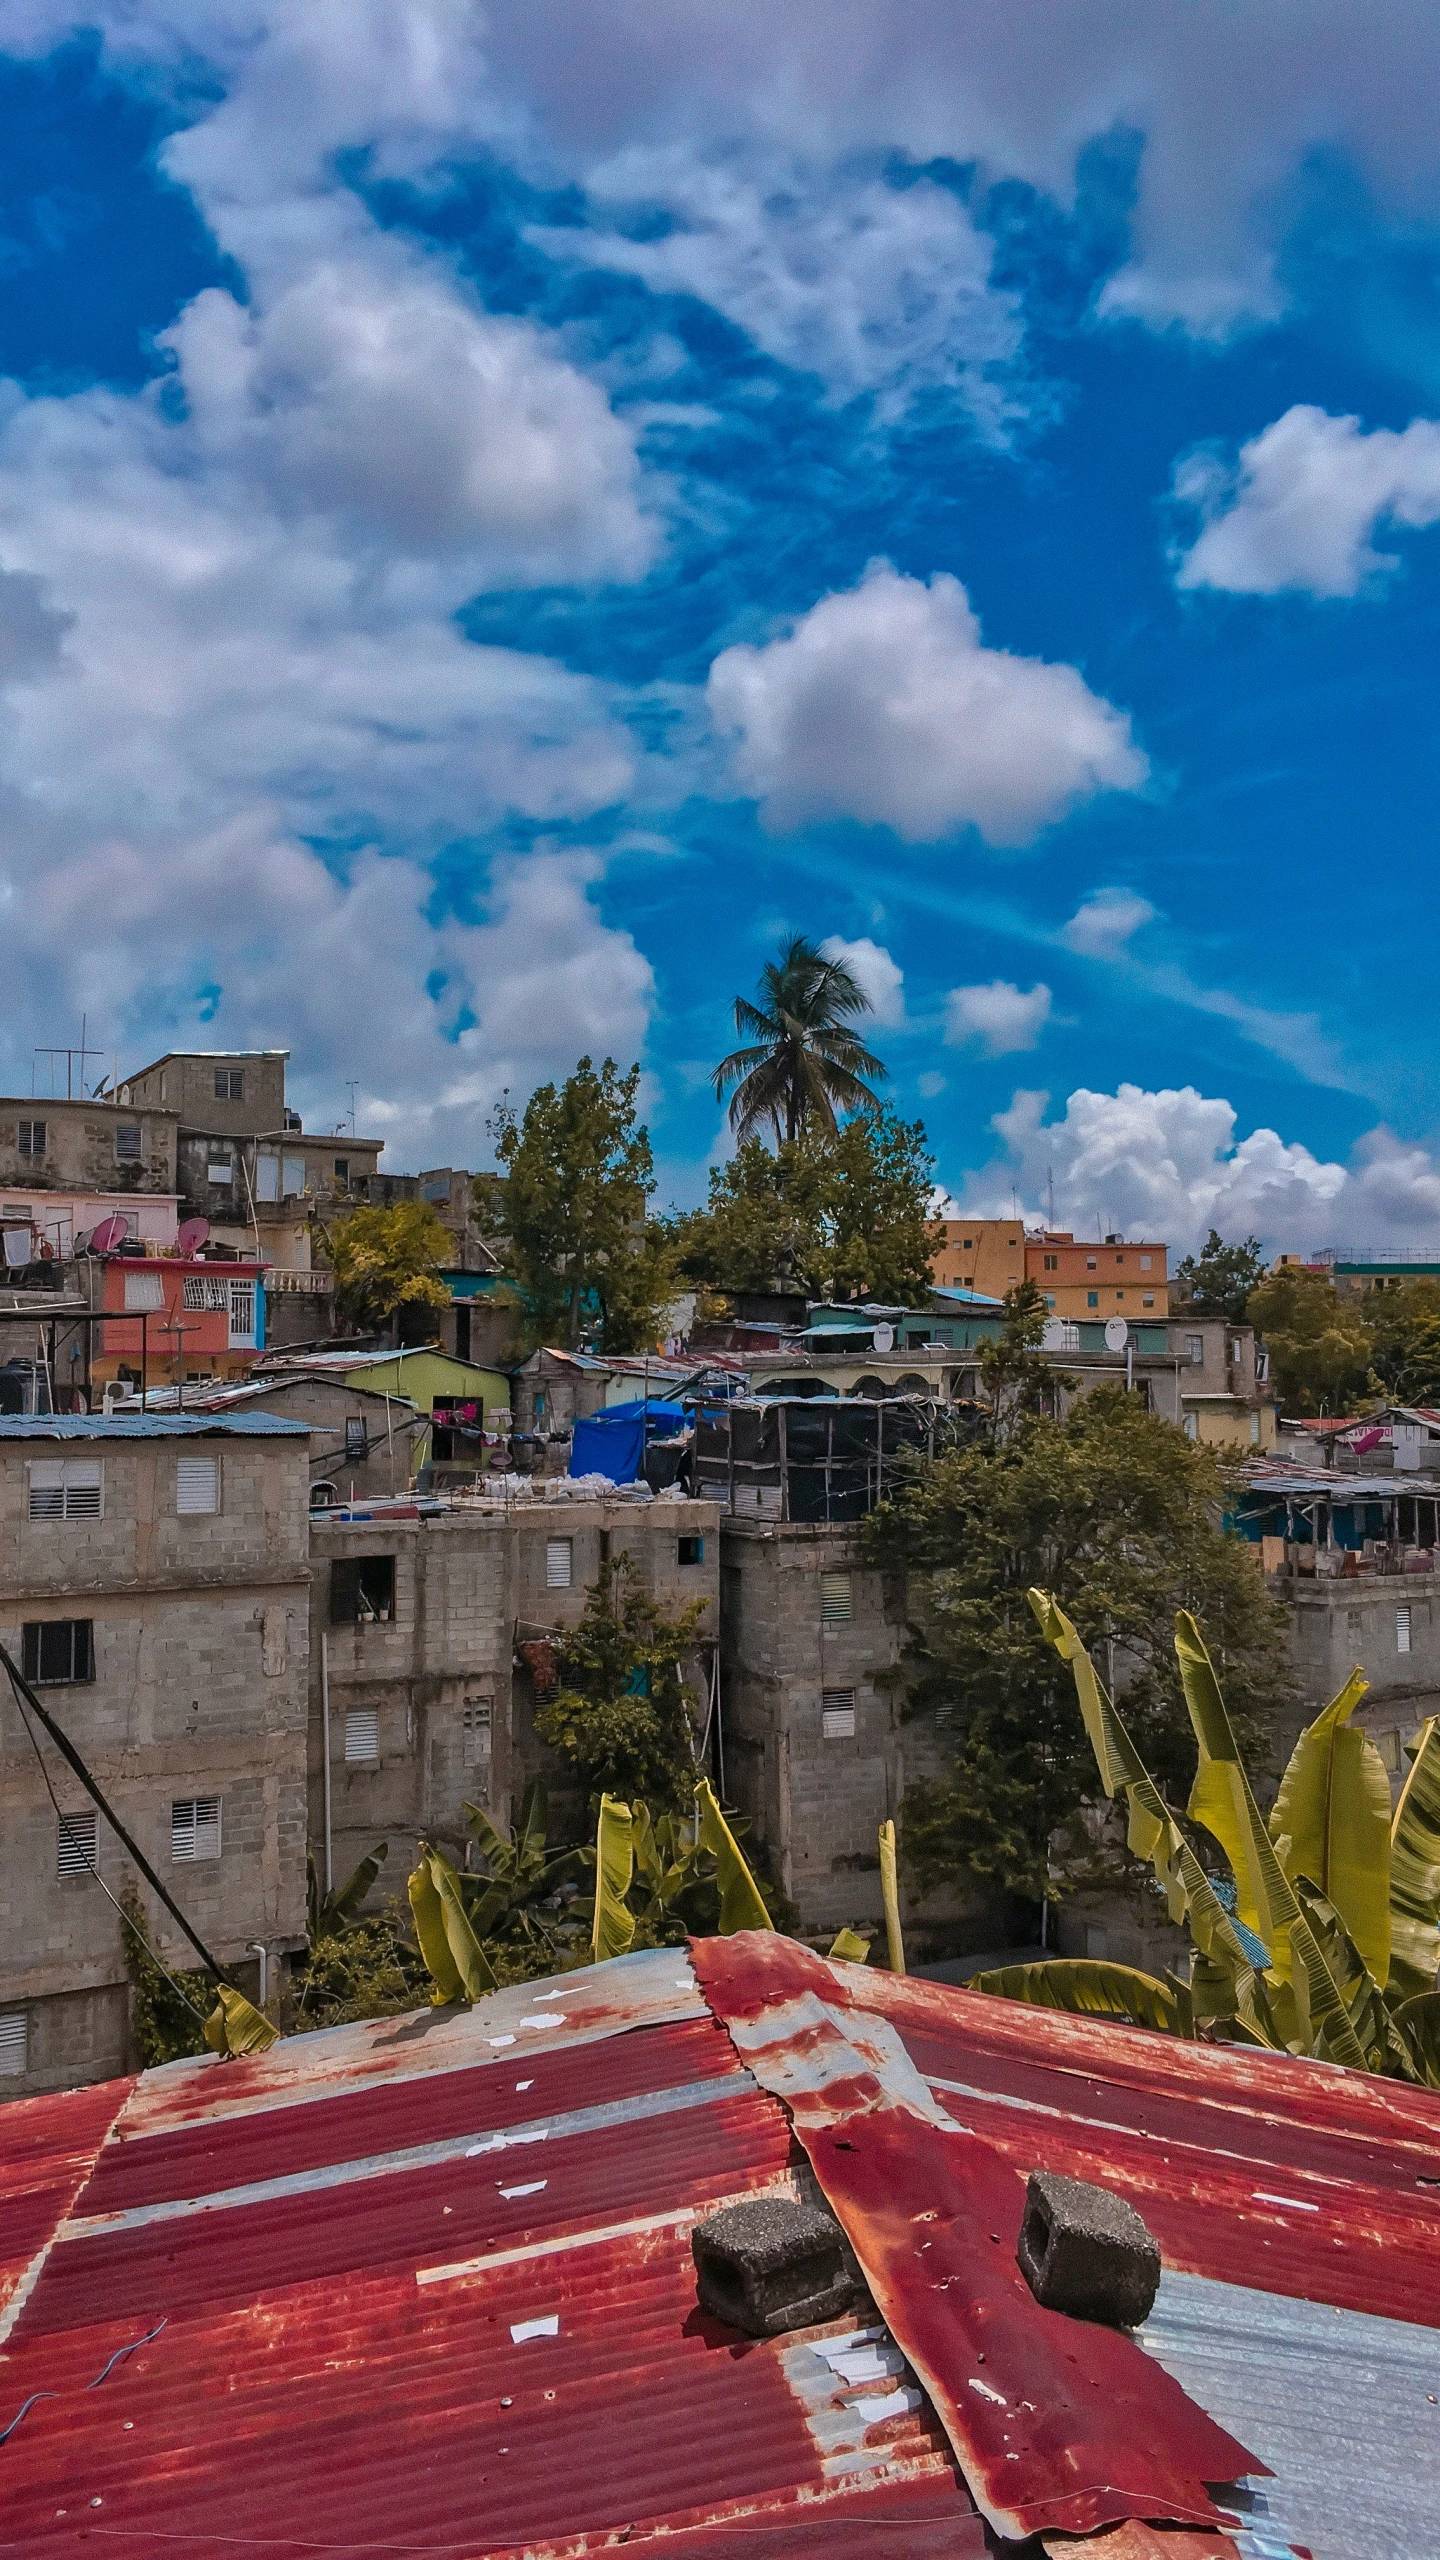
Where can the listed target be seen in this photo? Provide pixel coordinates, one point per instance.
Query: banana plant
(1333, 1944)
(329, 1915)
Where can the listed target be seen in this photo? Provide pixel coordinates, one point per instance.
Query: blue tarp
(612, 1443)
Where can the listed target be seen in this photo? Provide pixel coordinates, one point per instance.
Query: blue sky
(500, 516)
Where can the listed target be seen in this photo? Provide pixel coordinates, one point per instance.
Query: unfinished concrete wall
(1386, 1625)
(194, 1688)
(86, 1146)
(426, 1707)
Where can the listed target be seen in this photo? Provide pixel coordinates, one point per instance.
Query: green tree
(1320, 1344)
(836, 1214)
(622, 1715)
(1018, 1379)
(804, 1062)
(385, 1262)
(1219, 1279)
(1121, 1512)
(1405, 1341)
(571, 1206)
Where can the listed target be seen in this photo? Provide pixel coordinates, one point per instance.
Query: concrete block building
(420, 1698)
(154, 1589)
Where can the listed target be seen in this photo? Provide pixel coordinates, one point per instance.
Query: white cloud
(1168, 1165)
(883, 704)
(1104, 922)
(881, 978)
(930, 1084)
(1301, 507)
(876, 287)
(999, 1015)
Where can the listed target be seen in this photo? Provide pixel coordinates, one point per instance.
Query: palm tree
(805, 1063)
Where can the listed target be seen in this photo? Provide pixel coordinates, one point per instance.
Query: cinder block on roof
(1086, 2251)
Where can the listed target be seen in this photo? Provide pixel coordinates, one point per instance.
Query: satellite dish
(82, 1241)
(1117, 1333)
(883, 1337)
(1053, 1337)
(109, 1235)
(192, 1235)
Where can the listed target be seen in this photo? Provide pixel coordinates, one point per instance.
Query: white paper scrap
(549, 2327)
(524, 2084)
(986, 2393)
(536, 2187)
(555, 2020)
(1292, 2204)
(502, 2039)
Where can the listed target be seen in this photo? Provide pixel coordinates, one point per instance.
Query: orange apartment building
(986, 1254)
(1109, 1279)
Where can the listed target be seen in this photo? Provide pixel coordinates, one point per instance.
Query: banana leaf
(1418, 2021)
(614, 1930)
(1331, 1823)
(342, 1906)
(849, 1948)
(532, 1825)
(1365, 2007)
(741, 1906)
(890, 1897)
(1415, 1871)
(235, 2025)
(1324, 2028)
(1086, 1987)
(454, 1958)
(1221, 1799)
(1152, 1831)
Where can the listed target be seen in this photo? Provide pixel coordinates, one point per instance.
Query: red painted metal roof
(426, 2284)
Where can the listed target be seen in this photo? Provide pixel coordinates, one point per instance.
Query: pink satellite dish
(108, 1236)
(192, 1235)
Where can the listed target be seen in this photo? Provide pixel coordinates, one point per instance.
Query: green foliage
(622, 1714)
(1219, 1279)
(1124, 1512)
(368, 1968)
(162, 2027)
(384, 1262)
(836, 1214)
(804, 1065)
(1323, 1888)
(1017, 1378)
(1319, 1342)
(1404, 1328)
(570, 1207)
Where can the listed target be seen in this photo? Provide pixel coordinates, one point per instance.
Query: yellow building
(987, 1254)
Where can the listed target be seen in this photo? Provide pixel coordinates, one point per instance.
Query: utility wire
(67, 1750)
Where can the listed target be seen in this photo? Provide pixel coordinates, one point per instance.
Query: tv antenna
(69, 1056)
(351, 1085)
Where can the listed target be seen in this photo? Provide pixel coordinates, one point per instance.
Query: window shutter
(127, 1143)
(65, 1488)
(75, 1849)
(197, 1484)
(144, 1293)
(195, 1828)
(837, 1715)
(835, 1598)
(362, 1734)
(14, 2044)
(47, 1489)
(558, 1553)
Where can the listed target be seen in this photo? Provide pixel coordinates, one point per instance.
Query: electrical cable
(118, 2358)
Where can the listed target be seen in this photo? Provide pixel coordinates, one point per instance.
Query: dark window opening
(58, 1649)
(692, 1550)
(462, 1333)
(342, 1171)
(127, 1142)
(362, 1590)
(229, 1084)
(357, 1437)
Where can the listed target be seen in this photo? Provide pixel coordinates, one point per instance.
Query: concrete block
(771, 2266)
(1086, 2251)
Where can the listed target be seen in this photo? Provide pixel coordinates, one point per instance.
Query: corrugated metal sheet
(145, 1426)
(426, 2285)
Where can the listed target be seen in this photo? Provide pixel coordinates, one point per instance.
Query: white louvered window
(837, 1715)
(75, 1844)
(559, 1553)
(835, 1598)
(1402, 1630)
(65, 1488)
(194, 1828)
(144, 1293)
(14, 2045)
(197, 1484)
(362, 1736)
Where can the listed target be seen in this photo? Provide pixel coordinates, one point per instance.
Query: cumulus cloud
(881, 978)
(883, 704)
(876, 287)
(1000, 1016)
(1104, 922)
(1302, 505)
(1169, 1165)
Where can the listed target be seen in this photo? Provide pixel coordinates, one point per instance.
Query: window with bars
(14, 2045)
(194, 1828)
(197, 1485)
(206, 1297)
(65, 1489)
(144, 1293)
(32, 1137)
(242, 1311)
(837, 1715)
(559, 1558)
(76, 1851)
(357, 1437)
(836, 1599)
(362, 1736)
(127, 1142)
(362, 1590)
(54, 1650)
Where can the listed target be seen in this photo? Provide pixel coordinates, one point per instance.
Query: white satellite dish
(1053, 1337)
(1117, 1333)
(883, 1337)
